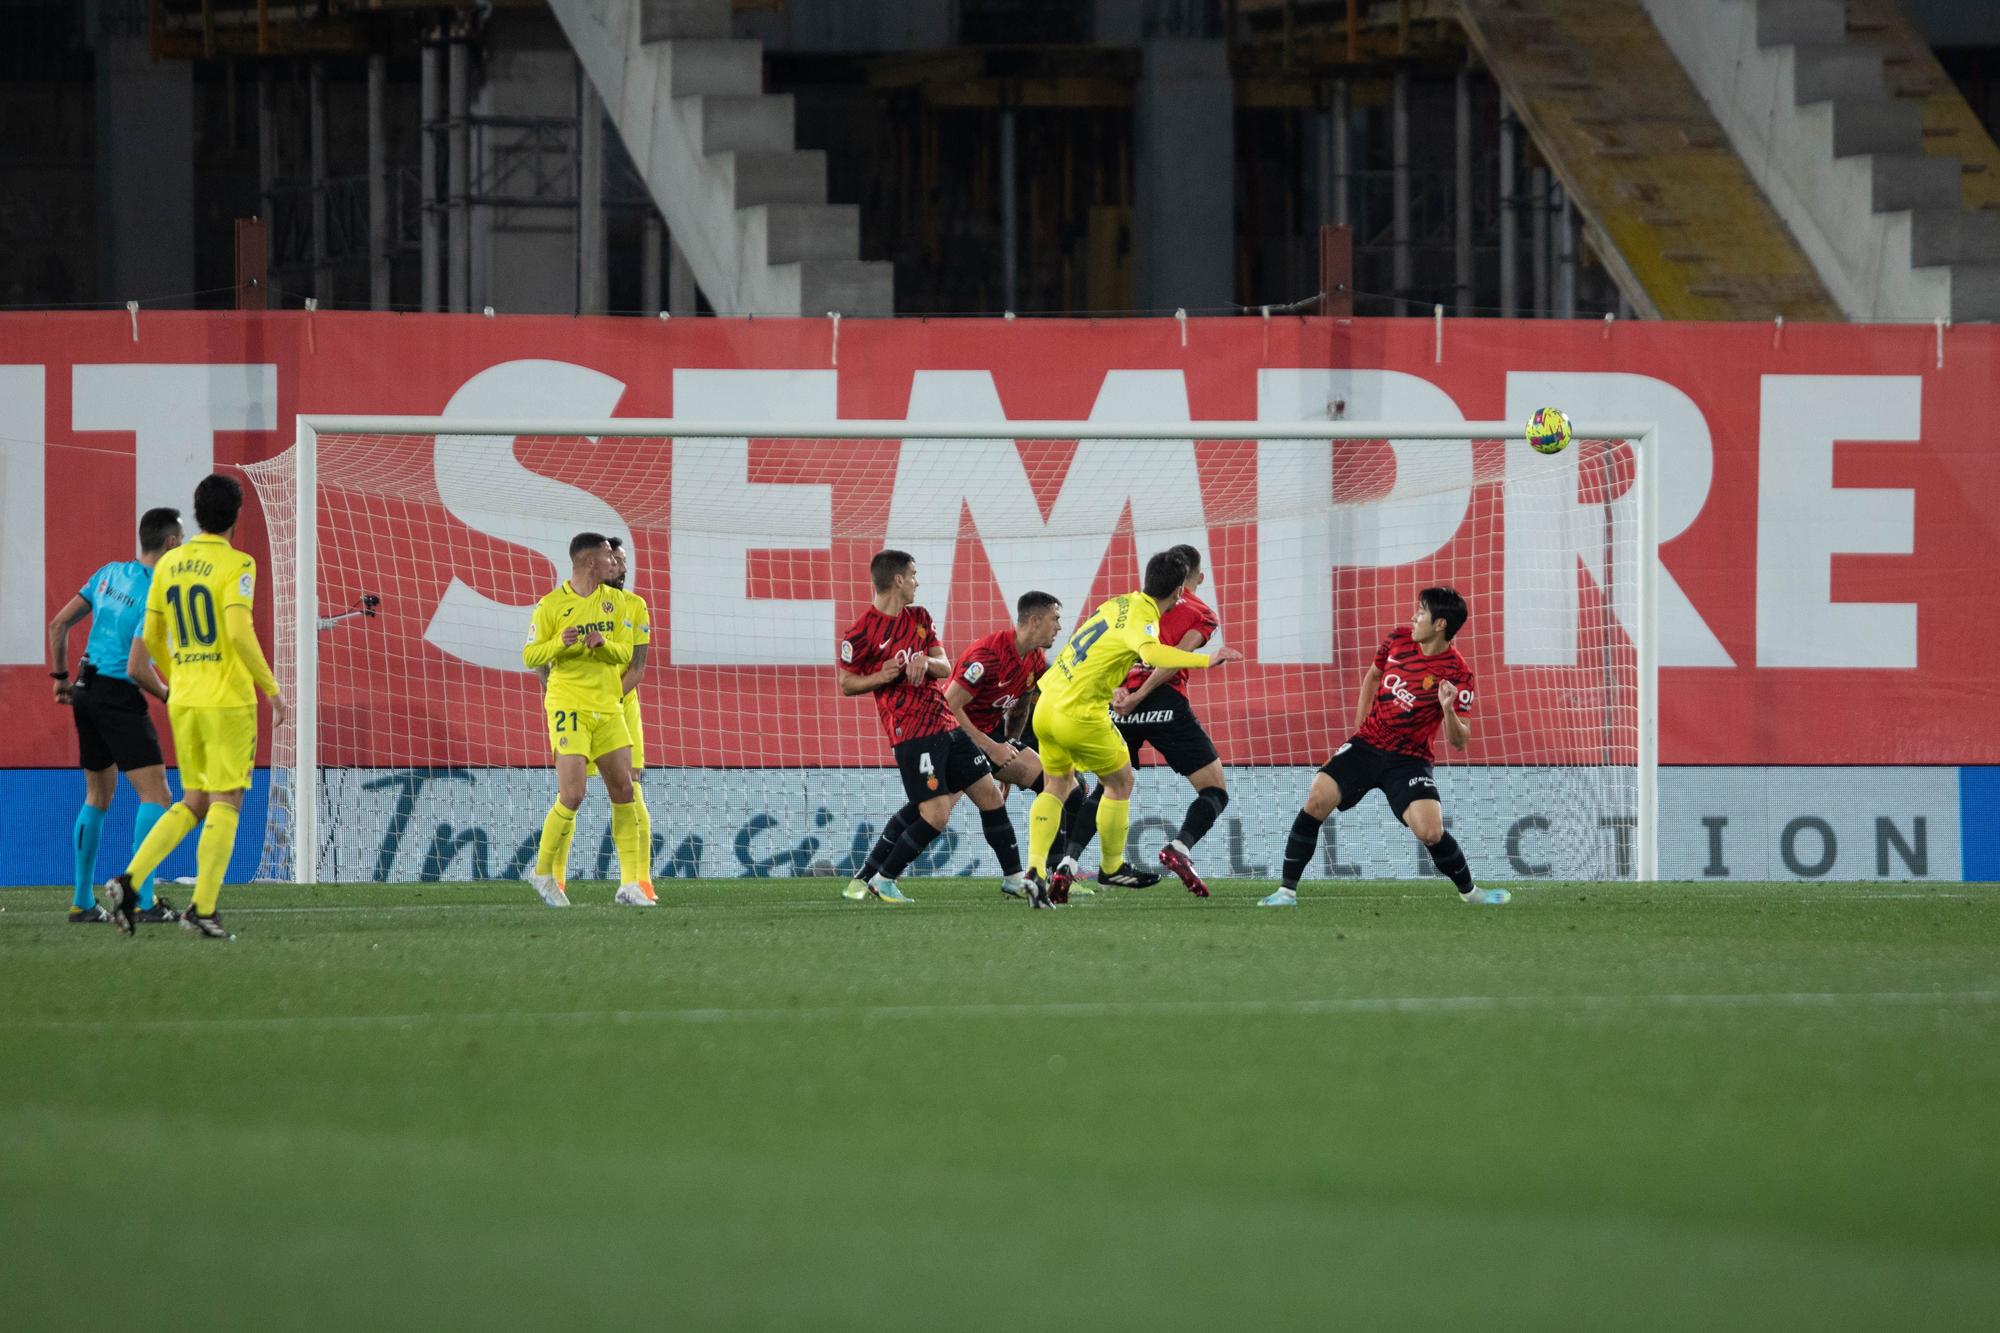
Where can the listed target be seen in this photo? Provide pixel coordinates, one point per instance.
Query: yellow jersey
(635, 628)
(580, 678)
(188, 631)
(1102, 649)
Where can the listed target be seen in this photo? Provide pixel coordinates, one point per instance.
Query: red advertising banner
(1830, 547)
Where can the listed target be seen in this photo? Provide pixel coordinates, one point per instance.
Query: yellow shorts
(592, 735)
(1068, 742)
(216, 747)
(633, 729)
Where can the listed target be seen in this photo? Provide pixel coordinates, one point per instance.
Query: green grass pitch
(444, 1106)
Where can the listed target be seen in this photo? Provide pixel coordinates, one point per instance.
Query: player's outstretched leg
(1321, 801)
(1426, 820)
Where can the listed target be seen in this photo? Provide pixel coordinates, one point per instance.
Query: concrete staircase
(1673, 213)
(747, 210)
(1840, 155)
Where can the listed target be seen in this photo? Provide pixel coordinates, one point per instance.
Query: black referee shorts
(113, 725)
(1359, 768)
(1165, 720)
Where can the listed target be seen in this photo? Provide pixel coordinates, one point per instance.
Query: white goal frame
(1644, 437)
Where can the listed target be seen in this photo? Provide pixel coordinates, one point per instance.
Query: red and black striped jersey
(997, 676)
(873, 642)
(1406, 715)
(1190, 612)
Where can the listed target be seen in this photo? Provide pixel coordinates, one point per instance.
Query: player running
(1417, 684)
(108, 704)
(579, 633)
(200, 636)
(892, 651)
(1150, 709)
(1073, 722)
(991, 692)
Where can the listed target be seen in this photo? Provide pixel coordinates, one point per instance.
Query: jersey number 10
(200, 612)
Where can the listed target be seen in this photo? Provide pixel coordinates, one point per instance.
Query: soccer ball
(1548, 431)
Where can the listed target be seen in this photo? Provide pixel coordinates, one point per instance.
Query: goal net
(420, 751)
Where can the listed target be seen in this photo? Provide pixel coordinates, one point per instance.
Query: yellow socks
(167, 833)
(625, 837)
(552, 857)
(644, 838)
(211, 855)
(1044, 822)
(1112, 817)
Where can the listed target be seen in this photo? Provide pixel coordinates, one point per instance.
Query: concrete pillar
(1402, 267)
(316, 121)
(1510, 215)
(1565, 240)
(1184, 226)
(459, 176)
(1343, 149)
(682, 294)
(591, 277)
(431, 108)
(1462, 178)
(1010, 214)
(378, 182)
(145, 170)
(652, 275)
(1538, 232)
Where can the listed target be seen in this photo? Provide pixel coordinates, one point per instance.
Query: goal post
(1559, 558)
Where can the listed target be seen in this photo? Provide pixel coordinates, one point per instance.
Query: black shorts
(1165, 720)
(113, 725)
(1359, 768)
(934, 765)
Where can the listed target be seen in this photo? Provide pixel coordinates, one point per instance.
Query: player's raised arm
(1156, 654)
(1190, 641)
(1457, 727)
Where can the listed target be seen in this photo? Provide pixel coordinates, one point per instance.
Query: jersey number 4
(199, 612)
(1079, 644)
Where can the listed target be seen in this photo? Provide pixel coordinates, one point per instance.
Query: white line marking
(1359, 1005)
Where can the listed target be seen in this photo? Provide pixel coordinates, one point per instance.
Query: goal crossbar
(1644, 436)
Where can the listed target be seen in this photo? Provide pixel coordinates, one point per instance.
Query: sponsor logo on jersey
(975, 672)
(847, 650)
(246, 583)
(1153, 718)
(1400, 689)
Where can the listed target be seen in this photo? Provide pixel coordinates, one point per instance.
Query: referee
(113, 727)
